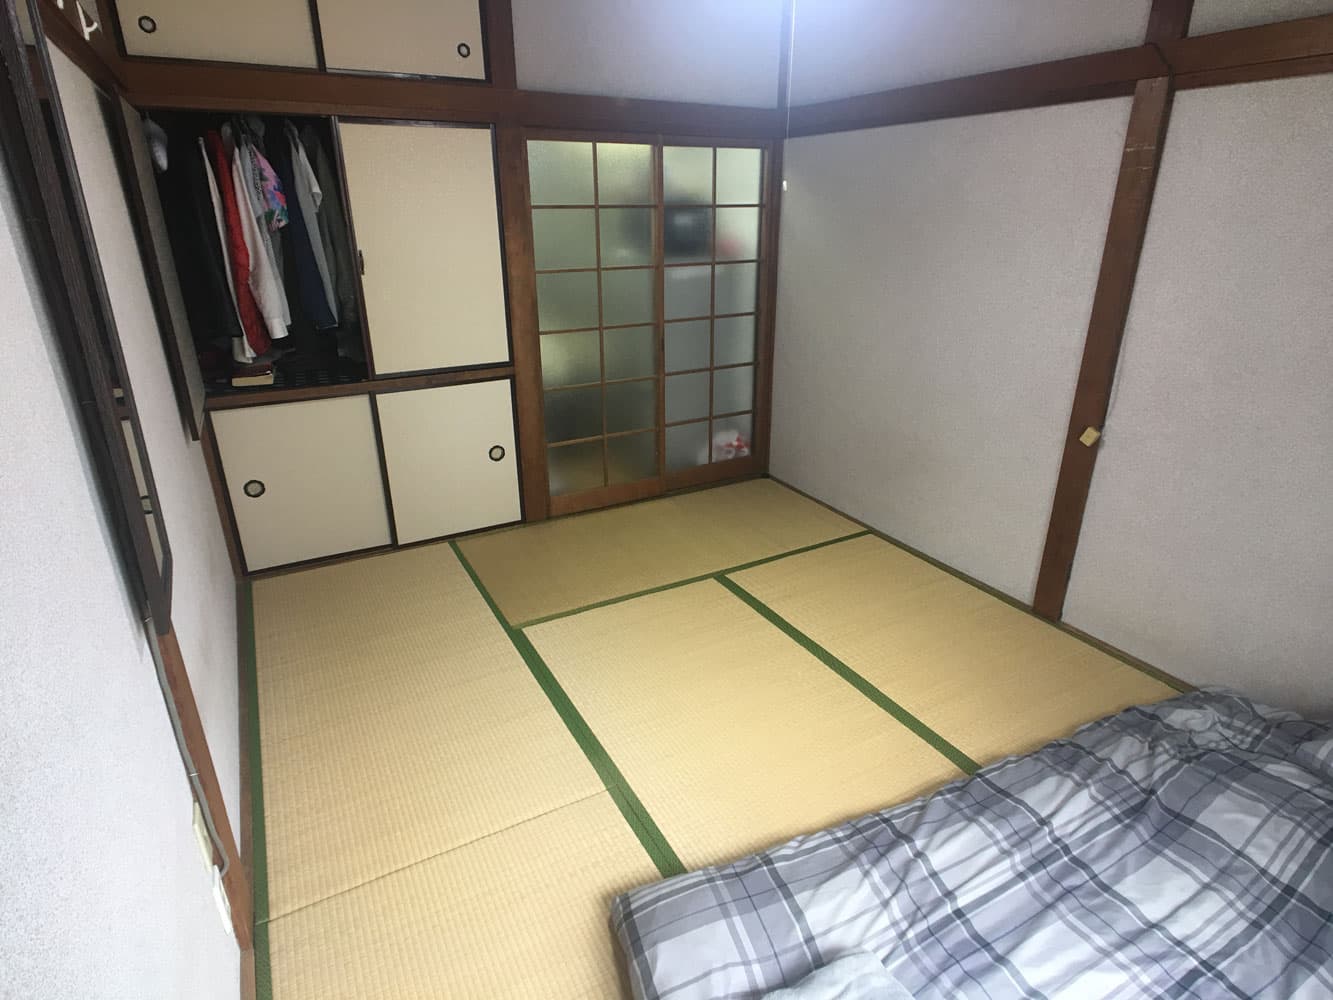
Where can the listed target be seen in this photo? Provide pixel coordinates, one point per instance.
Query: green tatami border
(258, 845)
(959, 759)
(630, 805)
(681, 583)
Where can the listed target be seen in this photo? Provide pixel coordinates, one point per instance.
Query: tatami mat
(987, 677)
(568, 563)
(396, 721)
(521, 913)
(734, 737)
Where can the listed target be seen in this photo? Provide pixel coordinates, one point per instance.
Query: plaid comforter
(1179, 850)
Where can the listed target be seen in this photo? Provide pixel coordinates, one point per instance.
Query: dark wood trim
(428, 380)
(1105, 74)
(497, 34)
(208, 444)
(1256, 72)
(220, 87)
(1168, 20)
(384, 469)
(98, 61)
(192, 728)
(766, 321)
(606, 496)
(714, 472)
(1266, 43)
(317, 34)
(1130, 207)
(520, 265)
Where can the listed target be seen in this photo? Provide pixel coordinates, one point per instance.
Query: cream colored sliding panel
(424, 209)
(268, 32)
(419, 37)
(450, 456)
(303, 478)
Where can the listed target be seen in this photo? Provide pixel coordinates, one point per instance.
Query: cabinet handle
(147, 24)
(464, 49)
(254, 488)
(497, 452)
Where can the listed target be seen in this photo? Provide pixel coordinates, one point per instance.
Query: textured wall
(845, 47)
(203, 606)
(681, 50)
(105, 893)
(1223, 15)
(1208, 543)
(934, 290)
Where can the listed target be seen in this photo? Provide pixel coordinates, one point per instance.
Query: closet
(400, 37)
(359, 392)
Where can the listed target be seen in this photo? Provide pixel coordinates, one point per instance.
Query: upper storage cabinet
(426, 225)
(413, 37)
(266, 32)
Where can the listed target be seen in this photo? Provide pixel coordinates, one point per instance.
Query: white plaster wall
(704, 51)
(935, 282)
(1207, 547)
(203, 607)
(103, 893)
(1223, 15)
(845, 47)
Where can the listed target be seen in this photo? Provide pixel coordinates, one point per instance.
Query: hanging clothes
(309, 286)
(334, 236)
(196, 241)
(264, 279)
(252, 319)
(309, 198)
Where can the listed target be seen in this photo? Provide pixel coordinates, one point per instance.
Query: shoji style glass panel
(733, 390)
(687, 345)
(688, 291)
(624, 174)
(687, 175)
(686, 397)
(733, 340)
(560, 173)
(631, 458)
(567, 301)
(732, 437)
(573, 413)
(630, 353)
(687, 233)
(686, 446)
(627, 236)
(627, 297)
(738, 176)
(564, 237)
(570, 359)
(736, 288)
(737, 233)
(573, 468)
(631, 406)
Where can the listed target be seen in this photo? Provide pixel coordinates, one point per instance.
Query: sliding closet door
(427, 228)
(647, 273)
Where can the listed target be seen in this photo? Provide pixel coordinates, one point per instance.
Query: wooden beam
(234, 882)
(516, 216)
(499, 33)
(1130, 208)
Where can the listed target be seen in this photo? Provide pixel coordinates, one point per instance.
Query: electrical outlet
(201, 836)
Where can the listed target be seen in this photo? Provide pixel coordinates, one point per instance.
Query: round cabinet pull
(147, 25)
(497, 452)
(254, 488)
(464, 49)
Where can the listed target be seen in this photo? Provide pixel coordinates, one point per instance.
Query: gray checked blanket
(1184, 849)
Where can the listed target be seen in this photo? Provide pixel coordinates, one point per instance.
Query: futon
(1183, 849)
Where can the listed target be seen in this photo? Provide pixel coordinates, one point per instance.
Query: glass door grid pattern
(647, 263)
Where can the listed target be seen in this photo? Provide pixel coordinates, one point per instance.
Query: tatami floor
(461, 752)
